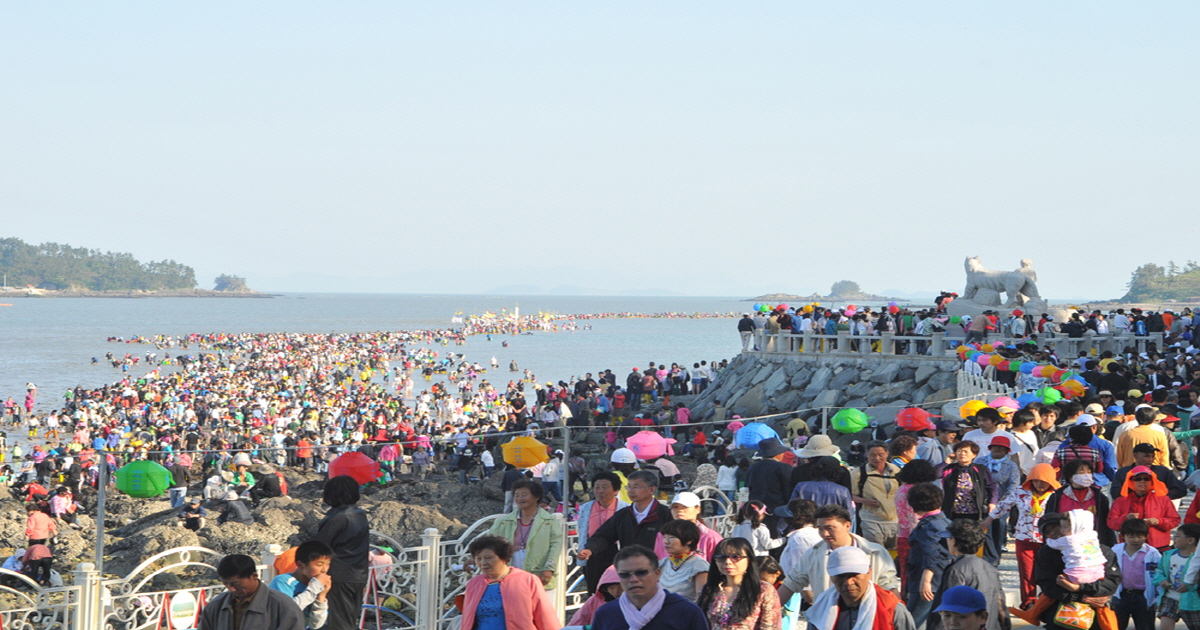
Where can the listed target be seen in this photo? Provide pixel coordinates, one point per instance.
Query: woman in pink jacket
(504, 597)
(39, 527)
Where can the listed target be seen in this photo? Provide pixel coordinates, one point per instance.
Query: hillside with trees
(1155, 283)
(58, 267)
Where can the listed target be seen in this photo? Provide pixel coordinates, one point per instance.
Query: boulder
(906, 374)
(859, 390)
(829, 398)
(856, 403)
(801, 378)
(943, 380)
(750, 403)
(923, 373)
(820, 380)
(775, 382)
(762, 373)
(922, 394)
(788, 401)
(843, 379)
(888, 391)
(886, 373)
(885, 415)
(942, 395)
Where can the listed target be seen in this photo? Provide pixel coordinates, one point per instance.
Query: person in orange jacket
(1145, 496)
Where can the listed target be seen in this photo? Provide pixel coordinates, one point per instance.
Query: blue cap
(1115, 410)
(963, 600)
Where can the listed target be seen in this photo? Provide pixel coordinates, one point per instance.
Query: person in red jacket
(1145, 496)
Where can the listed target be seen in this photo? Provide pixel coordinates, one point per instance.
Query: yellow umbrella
(524, 452)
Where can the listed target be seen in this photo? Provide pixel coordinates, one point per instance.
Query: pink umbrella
(648, 445)
(1004, 401)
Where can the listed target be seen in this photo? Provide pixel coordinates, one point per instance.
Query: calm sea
(51, 342)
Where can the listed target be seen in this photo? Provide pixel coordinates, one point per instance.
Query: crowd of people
(906, 534)
(1177, 328)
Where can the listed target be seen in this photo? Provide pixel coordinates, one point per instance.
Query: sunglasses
(735, 558)
(641, 573)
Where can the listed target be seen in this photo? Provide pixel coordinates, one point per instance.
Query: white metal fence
(415, 592)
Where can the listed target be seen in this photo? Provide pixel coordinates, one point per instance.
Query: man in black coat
(1049, 566)
(267, 486)
(637, 524)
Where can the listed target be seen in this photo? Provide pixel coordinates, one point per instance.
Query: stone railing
(940, 344)
(416, 591)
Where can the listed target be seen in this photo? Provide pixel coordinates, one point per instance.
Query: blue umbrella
(750, 435)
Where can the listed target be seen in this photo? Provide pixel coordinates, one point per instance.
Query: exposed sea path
(51, 342)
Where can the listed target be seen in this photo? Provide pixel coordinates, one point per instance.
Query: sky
(693, 148)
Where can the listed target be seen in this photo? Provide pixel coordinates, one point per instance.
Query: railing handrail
(938, 345)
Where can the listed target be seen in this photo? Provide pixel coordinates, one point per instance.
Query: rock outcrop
(756, 385)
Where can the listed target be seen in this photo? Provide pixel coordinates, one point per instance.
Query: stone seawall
(760, 384)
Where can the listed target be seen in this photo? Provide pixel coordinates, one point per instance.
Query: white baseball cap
(623, 456)
(1086, 420)
(849, 559)
(686, 499)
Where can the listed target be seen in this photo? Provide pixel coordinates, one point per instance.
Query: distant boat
(5, 304)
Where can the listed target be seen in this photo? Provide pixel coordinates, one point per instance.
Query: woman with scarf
(970, 490)
(1031, 505)
(735, 597)
(1082, 493)
(503, 597)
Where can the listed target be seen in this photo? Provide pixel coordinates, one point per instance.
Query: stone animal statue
(1019, 286)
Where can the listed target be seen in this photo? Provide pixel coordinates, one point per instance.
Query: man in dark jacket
(769, 479)
(235, 510)
(964, 538)
(1049, 566)
(180, 476)
(637, 524)
(638, 572)
(267, 486)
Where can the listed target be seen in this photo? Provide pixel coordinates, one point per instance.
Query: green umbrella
(1049, 395)
(850, 420)
(143, 479)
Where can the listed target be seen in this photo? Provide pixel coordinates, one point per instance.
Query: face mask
(1082, 479)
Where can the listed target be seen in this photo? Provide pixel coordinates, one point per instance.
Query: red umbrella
(362, 468)
(915, 419)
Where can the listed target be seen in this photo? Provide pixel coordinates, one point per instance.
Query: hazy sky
(702, 148)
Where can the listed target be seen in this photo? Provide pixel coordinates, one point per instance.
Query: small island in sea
(56, 270)
(841, 291)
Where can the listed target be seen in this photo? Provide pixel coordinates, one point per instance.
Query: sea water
(51, 341)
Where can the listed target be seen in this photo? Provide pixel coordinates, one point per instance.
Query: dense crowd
(1176, 328)
(1093, 491)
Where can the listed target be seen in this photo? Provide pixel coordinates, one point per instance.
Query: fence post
(560, 568)
(270, 554)
(888, 343)
(429, 580)
(91, 603)
(843, 342)
(937, 345)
